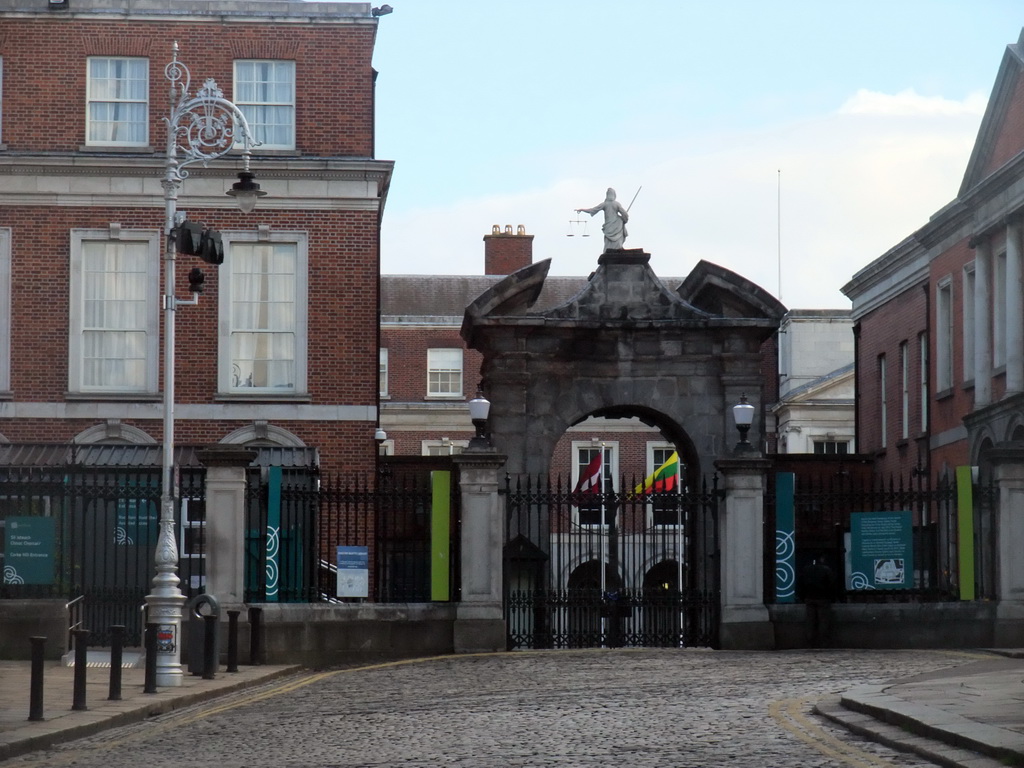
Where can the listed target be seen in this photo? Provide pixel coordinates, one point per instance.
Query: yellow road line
(788, 714)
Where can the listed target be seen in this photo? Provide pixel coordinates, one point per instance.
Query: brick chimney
(504, 252)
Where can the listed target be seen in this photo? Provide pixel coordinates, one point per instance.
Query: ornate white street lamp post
(201, 128)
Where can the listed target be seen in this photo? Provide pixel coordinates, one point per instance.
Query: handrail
(75, 608)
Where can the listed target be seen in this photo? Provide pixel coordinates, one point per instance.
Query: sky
(790, 141)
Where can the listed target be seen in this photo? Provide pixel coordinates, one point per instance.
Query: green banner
(273, 563)
(440, 535)
(785, 538)
(29, 550)
(965, 531)
(881, 550)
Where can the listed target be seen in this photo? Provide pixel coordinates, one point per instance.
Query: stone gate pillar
(745, 624)
(225, 521)
(479, 618)
(1008, 463)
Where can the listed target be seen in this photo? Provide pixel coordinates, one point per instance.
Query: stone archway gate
(625, 345)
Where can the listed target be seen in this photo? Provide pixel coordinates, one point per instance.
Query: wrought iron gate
(610, 569)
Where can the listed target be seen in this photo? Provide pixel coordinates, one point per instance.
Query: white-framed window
(922, 342)
(265, 92)
(443, 447)
(969, 322)
(444, 372)
(117, 99)
(904, 390)
(263, 315)
(999, 310)
(944, 335)
(113, 343)
(5, 309)
(831, 447)
(383, 373)
(883, 402)
(588, 512)
(665, 508)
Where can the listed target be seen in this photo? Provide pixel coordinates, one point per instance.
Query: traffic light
(196, 278)
(211, 247)
(192, 240)
(188, 237)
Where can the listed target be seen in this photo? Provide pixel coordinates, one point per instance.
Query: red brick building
(280, 348)
(939, 319)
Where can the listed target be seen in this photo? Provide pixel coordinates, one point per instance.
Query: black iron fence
(88, 535)
(823, 507)
(295, 524)
(611, 568)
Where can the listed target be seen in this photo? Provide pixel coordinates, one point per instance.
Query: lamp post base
(165, 611)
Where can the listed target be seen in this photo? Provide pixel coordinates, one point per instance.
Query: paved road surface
(566, 708)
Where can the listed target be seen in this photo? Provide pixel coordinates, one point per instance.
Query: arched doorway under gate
(626, 345)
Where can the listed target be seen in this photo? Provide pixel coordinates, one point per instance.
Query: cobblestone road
(568, 708)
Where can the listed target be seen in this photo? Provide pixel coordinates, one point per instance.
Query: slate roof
(408, 296)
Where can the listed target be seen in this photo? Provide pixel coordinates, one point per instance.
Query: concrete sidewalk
(970, 716)
(18, 735)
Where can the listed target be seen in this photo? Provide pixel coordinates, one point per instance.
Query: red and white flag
(590, 478)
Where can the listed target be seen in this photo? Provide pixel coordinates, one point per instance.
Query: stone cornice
(205, 11)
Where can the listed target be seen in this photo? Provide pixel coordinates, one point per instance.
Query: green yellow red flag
(664, 478)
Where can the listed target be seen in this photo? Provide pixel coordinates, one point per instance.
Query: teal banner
(881, 551)
(138, 523)
(273, 533)
(785, 538)
(29, 550)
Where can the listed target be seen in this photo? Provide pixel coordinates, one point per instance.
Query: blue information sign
(881, 550)
(353, 572)
(28, 550)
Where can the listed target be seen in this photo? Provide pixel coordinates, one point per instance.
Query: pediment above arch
(723, 293)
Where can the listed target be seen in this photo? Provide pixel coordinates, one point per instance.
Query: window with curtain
(444, 372)
(117, 101)
(265, 92)
(383, 373)
(114, 314)
(263, 301)
(944, 335)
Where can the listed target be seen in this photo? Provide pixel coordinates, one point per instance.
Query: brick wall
(881, 333)
(334, 75)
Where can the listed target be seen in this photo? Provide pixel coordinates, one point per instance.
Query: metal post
(209, 647)
(81, 663)
(150, 684)
(35, 697)
(116, 657)
(255, 630)
(204, 127)
(233, 640)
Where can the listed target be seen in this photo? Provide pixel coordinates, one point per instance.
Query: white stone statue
(615, 218)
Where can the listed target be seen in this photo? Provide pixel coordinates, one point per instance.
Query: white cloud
(909, 102)
(850, 190)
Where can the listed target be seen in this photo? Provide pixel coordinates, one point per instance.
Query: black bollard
(150, 684)
(209, 647)
(116, 657)
(255, 636)
(81, 661)
(35, 694)
(233, 640)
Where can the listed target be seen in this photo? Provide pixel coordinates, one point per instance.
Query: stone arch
(113, 431)
(625, 344)
(262, 433)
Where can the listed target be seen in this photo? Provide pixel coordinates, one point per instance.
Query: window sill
(141, 397)
(260, 397)
(445, 397)
(944, 394)
(115, 149)
(5, 395)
